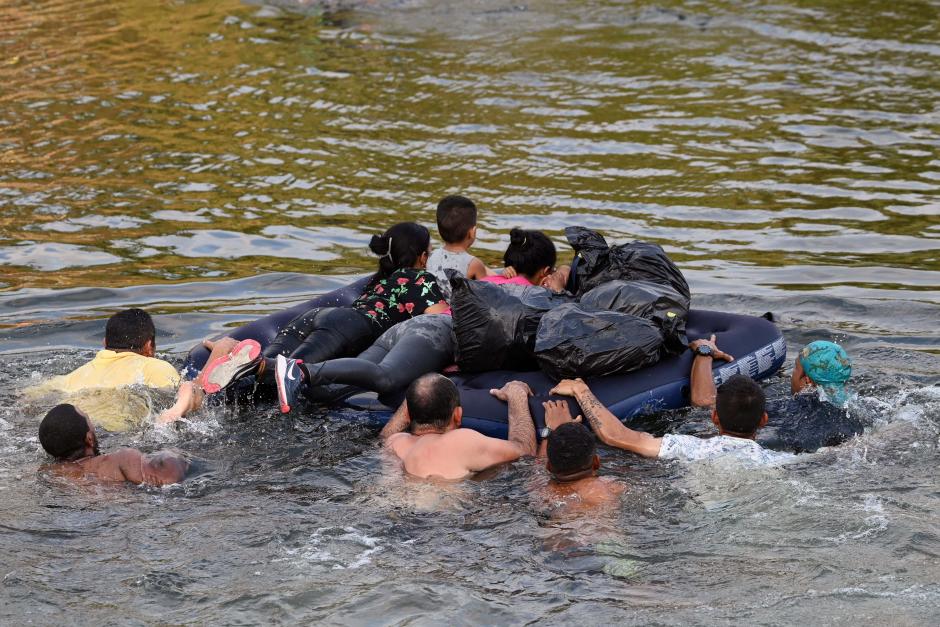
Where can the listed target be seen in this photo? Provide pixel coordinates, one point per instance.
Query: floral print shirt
(403, 294)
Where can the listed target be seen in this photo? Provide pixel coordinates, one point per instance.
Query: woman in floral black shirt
(399, 290)
(401, 295)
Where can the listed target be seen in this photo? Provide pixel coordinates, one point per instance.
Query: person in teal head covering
(825, 365)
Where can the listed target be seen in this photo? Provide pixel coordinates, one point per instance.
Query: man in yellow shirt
(127, 358)
(100, 387)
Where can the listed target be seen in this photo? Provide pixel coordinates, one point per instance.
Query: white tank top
(441, 260)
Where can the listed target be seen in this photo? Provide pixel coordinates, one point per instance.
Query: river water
(212, 161)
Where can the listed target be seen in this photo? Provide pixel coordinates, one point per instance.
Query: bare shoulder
(469, 436)
(399, 443)
(612, 485)
(109, 467)
(488, 447)
(125, 454)
(397, 437)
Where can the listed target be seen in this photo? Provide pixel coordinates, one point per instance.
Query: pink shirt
(499, 280)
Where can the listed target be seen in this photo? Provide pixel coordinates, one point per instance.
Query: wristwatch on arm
(544, 432)
(704, 350)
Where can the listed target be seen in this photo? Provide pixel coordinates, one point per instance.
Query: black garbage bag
(640, 298)
(637, 261)
(573, 341)
(495, 325)
(660, 303)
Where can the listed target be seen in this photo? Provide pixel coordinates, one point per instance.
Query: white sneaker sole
(224, 370)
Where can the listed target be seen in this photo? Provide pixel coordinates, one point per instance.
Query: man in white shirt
(738, 412)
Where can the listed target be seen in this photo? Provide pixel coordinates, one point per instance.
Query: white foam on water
(339, 548)
(199, 423)
(873, 524)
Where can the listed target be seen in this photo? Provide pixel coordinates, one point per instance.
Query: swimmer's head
(823, 364)
(572, 452)
(405, 245)
(131, 330)
(433, 404)
(531, 253)
(457, 219)
(67, 433)
(740, 407)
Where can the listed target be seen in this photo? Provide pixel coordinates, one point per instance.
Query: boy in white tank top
(457, 224)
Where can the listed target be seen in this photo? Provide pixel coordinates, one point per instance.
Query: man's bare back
(452, 455)
(438, 447)
(68, 435)
(584, 494)
(126, 464)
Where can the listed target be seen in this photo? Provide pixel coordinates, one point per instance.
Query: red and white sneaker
(225, 370)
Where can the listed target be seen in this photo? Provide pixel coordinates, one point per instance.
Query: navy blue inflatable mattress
(756, 343)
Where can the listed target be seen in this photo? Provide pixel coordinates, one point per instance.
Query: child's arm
(477, 270)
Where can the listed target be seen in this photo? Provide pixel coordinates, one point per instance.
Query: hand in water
(557, 414)
(188, 398)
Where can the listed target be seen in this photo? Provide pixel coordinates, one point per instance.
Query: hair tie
(389, 253)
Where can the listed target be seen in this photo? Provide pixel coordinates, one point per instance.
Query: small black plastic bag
(599, 263)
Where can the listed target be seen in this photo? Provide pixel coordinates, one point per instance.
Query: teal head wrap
(829, 367)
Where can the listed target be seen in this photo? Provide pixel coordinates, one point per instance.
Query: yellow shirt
(100, 388)
(111, 370)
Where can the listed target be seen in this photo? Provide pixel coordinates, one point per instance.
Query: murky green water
(212, 161)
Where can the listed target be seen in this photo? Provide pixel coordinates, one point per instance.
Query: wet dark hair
(399, 247)
(129, 330)
(432, 399)
(456, 215)
(62, 432)
(571, 448)
(740, 403)
(529, 251)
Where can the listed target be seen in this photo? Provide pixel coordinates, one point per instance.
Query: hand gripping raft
(756, 343)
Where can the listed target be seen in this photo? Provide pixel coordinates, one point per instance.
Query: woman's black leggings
(324, 333)
(408, 350)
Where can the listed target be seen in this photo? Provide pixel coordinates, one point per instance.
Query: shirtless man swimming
(573, 463)
(68, 435)
(435, 445)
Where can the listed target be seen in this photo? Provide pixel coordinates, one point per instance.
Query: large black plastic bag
(573, 341)
(660, 303)
(495, 325)
(636, 261)
(640, 298)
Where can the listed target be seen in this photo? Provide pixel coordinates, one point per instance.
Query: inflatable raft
(756, 343)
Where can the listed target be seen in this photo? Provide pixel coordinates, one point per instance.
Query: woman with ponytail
(400, 289)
